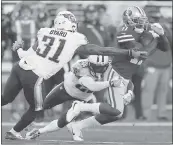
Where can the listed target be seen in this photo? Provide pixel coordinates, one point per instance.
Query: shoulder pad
(79, 65)
(42, 30)
(81, 37)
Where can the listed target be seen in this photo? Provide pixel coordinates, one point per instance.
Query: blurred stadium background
(43, 14)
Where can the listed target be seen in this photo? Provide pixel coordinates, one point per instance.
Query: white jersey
(55, 49)
(73, 80)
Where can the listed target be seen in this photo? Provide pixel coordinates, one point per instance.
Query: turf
(112, 134)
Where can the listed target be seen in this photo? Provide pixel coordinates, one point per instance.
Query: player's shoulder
(79, 65)
(79, 35)
(125, 34)
(43, 30)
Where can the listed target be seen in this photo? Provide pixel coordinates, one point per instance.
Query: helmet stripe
(140, 10)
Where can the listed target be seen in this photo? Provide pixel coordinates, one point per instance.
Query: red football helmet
(135, 17)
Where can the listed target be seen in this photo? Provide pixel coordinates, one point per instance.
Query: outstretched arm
(92, 49)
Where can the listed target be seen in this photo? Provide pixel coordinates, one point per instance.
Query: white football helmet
(98, 64)
(65, 20)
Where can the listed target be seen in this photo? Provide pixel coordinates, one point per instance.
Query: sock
(90, 107)
(26, 119)
(53, 126)
(86, 123)
(13, 131)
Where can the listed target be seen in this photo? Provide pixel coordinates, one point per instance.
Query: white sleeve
(92, 85)
(22, 53)
(82, 39)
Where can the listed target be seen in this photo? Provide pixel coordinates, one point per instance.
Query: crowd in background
(153, 79)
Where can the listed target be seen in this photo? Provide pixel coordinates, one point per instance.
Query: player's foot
(74, 111)
(33, 134)
(76, 133)
(13, 136)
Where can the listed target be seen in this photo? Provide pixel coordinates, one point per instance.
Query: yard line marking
(128, 131)
(110, 124)
(98, 142)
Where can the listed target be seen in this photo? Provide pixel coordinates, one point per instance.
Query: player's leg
(12, 86)
(30, 83)
(57, 96)
(137, 104)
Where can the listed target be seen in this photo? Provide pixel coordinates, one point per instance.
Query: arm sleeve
(92, 49)
(93, 85)
(163, 43)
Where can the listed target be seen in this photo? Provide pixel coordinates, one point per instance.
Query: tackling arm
(93, 85)
(92, 49)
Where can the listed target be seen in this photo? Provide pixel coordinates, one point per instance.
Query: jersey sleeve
(81, 39)
(125, 36)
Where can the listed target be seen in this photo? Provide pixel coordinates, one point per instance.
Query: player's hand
(115, 82)
(157, 28)
(17, 45)
(139, 54)
(128, 97)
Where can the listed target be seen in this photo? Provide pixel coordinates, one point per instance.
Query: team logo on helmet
(127, 12)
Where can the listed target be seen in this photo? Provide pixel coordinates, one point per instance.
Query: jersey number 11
(48, 47)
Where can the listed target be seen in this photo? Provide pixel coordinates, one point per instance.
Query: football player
(136, 33)
(80, 84)
(53, 49)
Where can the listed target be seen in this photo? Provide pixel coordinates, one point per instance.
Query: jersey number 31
(48, 47)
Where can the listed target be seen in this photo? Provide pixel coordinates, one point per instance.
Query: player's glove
(115, 82)
(17, 45)
(128, 97)
(138, 54)
(157, 28)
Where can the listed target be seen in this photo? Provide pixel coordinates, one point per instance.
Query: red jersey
(127, 39)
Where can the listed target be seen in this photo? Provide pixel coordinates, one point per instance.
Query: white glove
(128, 97)
(116, 81)
(157, 28)
(17, 45)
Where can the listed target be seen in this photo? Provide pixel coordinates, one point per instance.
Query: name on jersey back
(60, 33)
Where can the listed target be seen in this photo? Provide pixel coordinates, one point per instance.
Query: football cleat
(13, 136)
(76, 133)
(33, 134)
(73, 112)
